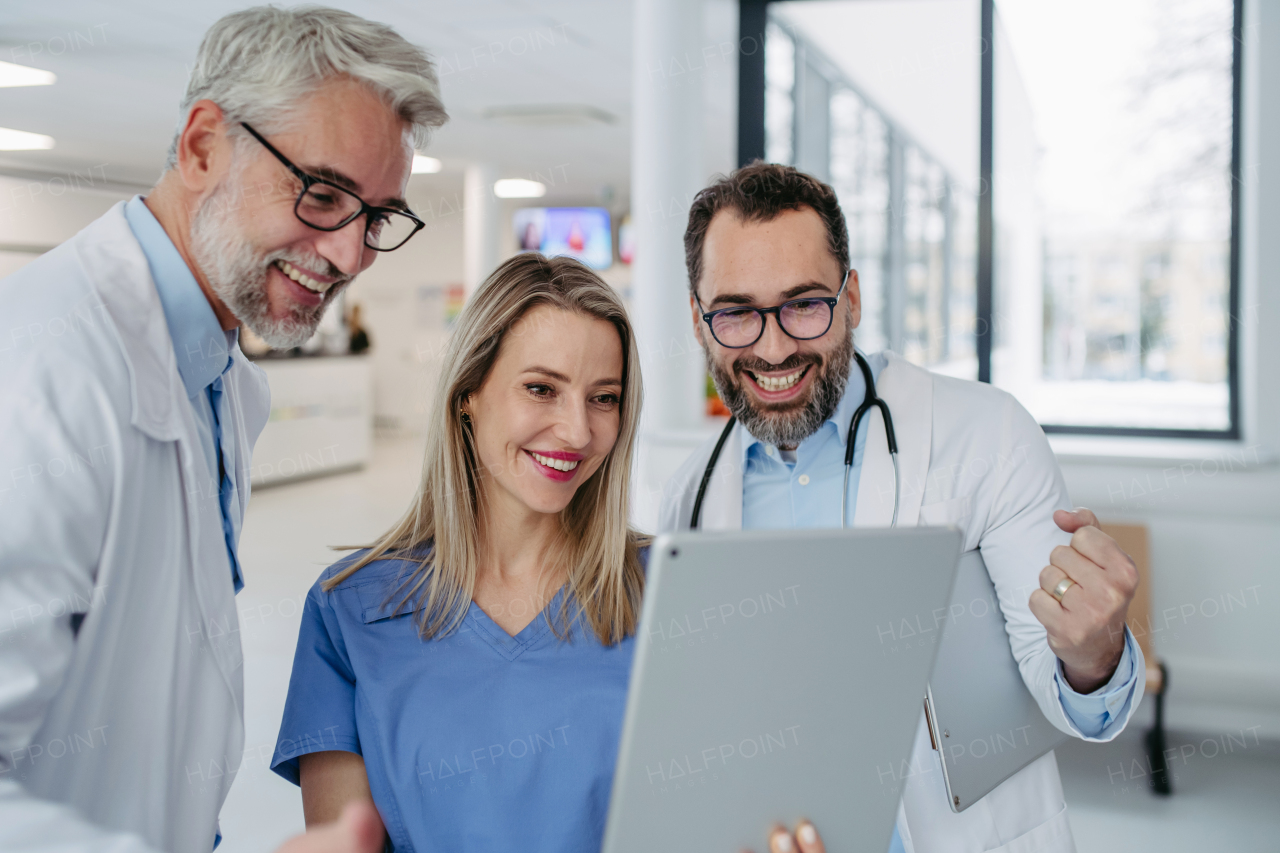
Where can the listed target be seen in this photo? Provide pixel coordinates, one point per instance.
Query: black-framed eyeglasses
(804, 319)
(325, 206)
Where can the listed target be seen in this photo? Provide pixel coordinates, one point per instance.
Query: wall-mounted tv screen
(579, 232)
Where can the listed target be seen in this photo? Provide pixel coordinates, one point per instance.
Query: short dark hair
(759, 192)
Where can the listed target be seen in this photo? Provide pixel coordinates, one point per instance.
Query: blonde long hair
(604, 572)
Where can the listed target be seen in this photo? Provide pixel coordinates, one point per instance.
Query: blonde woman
(468, 673)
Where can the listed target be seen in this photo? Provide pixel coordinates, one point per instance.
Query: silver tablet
(983, 721)
(773, 680)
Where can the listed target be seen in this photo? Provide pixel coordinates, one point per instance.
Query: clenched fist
(1086, 630)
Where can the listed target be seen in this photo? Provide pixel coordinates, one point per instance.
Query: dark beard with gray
(786, 426)
(237, 271)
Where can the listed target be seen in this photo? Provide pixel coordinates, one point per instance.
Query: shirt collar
(855, 390)
(200, 344)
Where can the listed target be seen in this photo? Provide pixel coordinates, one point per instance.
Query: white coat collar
(908, 391)
(722, 508)
(115, 264)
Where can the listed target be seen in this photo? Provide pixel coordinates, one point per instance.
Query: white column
(479, 225)
(666, 172)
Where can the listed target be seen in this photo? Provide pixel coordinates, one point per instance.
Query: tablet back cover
(774, 680)
(984, 721)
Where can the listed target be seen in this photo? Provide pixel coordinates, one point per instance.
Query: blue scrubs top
(472, 741)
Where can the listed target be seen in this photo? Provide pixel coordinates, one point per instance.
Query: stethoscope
(868, 401)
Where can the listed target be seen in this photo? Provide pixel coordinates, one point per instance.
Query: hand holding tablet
(805, 839)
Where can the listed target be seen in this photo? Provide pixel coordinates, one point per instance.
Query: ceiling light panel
(22, 75)
(21, 140)
(519, 188)
(423, 165)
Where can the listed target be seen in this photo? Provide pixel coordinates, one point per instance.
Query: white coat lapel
(116, 265)
(908, 391)
(121, 275)
(722, 509)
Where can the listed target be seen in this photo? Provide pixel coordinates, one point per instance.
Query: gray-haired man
(129, 428)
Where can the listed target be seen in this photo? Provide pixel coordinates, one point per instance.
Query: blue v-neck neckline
(509, 647)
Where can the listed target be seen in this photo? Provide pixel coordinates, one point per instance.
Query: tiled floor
(1227, 797)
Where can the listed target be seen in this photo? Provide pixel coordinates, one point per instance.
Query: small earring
(466, 418)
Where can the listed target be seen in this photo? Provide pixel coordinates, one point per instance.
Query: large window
(1113, 177)
(1105, 133)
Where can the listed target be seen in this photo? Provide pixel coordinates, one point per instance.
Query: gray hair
(258, 64)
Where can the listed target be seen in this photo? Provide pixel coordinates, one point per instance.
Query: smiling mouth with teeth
(302, 278)
(779, 383)
(558, 464)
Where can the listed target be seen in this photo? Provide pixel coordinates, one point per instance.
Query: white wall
(38, 213)
(1215, 588)
(403, 299)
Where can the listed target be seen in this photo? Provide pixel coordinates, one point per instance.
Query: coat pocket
(1052, 836)
(943, 513)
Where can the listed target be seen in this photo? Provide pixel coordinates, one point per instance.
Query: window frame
(753, 18)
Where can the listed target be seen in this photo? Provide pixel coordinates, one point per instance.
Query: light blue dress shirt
(203, 351)
(806, 493)
(780, 495)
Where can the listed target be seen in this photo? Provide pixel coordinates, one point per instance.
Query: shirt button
(804, 479)
(768, 451)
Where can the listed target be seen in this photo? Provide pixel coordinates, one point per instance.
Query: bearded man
(775, 305)
(129, 415)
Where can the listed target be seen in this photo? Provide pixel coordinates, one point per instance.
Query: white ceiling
(114, 106)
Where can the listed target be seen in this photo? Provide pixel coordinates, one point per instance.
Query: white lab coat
(969, 456)
(126, 735)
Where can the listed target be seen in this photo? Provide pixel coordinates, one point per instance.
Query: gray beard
(237, 272)
(792, 425)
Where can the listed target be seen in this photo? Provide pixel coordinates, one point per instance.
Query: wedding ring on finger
(1062, 587)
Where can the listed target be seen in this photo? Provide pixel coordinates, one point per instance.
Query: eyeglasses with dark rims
(326, 206)
(803, 319)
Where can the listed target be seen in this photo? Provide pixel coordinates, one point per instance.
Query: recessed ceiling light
(423, 165)
(549, 115)
(21, 75)
(21, 140)
(519, 188)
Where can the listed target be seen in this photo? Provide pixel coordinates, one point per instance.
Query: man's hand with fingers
(1083, 600)
(358, 830)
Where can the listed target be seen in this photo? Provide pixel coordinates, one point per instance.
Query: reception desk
(321, 418)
